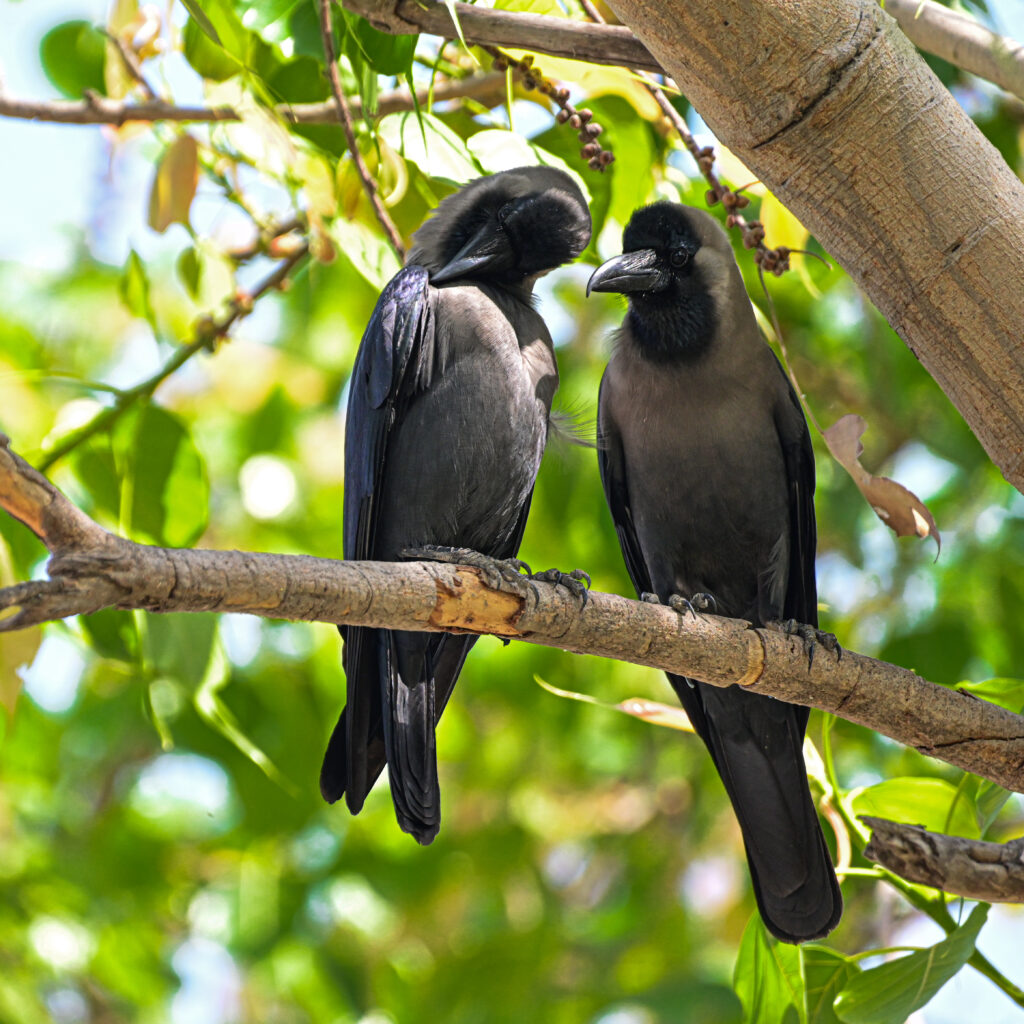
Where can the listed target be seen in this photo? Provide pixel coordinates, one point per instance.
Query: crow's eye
(504, 213)
(679, 257)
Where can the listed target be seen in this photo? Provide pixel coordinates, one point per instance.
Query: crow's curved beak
(487, 250)
(639, 271)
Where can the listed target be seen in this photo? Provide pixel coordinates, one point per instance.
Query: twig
(581, 120)
(207, 331)
(345, 116)
(92, 569)
(958, 38)
(102, 110)
(131, 64)
(993, 872)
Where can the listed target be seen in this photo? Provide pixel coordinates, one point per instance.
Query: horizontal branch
(98, 109)
(559, 37)
(958, 38)
(92, 569)
(993, 872)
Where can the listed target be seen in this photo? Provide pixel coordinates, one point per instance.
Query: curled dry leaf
(900, 509)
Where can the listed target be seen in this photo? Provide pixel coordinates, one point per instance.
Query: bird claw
(576, 582)
(648, 598)
(812, 638)
(695, 603)
(498, 573)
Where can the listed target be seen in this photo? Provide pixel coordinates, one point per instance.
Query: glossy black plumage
(708, 470)
(447, 421)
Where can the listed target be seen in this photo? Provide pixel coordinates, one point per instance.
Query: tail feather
(757, 746)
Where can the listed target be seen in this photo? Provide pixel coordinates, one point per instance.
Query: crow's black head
(676, 266)
(505, 228)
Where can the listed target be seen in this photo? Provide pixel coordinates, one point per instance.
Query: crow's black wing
(611, 461)
(394, 362)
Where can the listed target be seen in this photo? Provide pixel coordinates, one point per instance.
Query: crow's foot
(812, 638)
(503, 574)
(693, 604)
(576, 582)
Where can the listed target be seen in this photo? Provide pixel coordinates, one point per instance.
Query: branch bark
(958, 38)
(832, 108)
(92, 569)
(993, 872)
(101, 110)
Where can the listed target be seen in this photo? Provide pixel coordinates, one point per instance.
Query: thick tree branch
(97, 109)
(958, 38)
(92, 569)
(993, 872)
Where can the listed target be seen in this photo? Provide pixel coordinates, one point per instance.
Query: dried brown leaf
(901, 510)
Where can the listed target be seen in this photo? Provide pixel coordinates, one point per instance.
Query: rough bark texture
(993, 872)
(833, 109)
(92, 569)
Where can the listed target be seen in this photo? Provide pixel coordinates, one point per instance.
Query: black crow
(708, 470)
(447, 420)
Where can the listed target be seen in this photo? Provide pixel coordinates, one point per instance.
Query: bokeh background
(164, 852)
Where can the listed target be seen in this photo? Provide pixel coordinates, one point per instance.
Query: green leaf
(190, 269)
(180, 646)
(918, 801)
(207, 58)
(826, 973)
(167, 477)
(891, 992)
(134, 288)
(112, 633)
(768, 978)
(366, 250)
(989, 799)
(1007, 693)
(258, 14)
(496, 149)
(387, 54)
(435, 149)
(195, 9)
(73, 55)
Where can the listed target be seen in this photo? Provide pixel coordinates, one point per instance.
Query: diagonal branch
(92, 569)
(345, 117)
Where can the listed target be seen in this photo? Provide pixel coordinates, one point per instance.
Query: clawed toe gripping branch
(91, 568)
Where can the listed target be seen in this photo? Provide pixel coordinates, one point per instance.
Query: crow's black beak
(488, 251)
(639, 271)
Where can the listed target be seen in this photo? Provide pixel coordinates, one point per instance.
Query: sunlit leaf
(891, 992)
(441, 155)
(73, 56)
(190, 268)
(498, 150)
(366, 250)
(1005, 691)
(195, 8)
(768, 978)
(918, 801)
(667, 715)
(174, 184)
(989, 799)
(207, 57)
(135, 288)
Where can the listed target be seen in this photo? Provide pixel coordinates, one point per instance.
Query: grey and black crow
(447, 420)
(708, 470)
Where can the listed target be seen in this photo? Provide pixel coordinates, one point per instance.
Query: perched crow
(708, 470)
(447, 421)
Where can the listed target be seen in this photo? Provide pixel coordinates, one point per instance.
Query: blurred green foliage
(163, 846)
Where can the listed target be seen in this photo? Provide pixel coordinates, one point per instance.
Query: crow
(708, 470)
(448, 414)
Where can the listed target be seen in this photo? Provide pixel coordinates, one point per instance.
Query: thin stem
(345, 117)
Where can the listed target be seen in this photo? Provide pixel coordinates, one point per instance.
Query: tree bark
(833, 109)
(91, 569)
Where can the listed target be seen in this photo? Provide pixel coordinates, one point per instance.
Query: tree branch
(993, 872)
(958, 38)
(92, 569)
(559, 37)
(101, 110)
